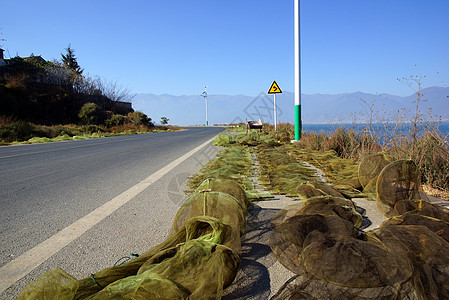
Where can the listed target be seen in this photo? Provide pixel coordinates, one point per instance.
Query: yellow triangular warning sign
(274, 89)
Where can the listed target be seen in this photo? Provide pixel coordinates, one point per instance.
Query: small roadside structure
(253, 125)
(2, 59)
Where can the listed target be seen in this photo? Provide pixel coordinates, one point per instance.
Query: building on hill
(116, 107)
(123, 107)
(44, 92)
(2, 59)
(54, 74)
(35, 59)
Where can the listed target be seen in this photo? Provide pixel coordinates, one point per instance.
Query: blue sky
(238, 47)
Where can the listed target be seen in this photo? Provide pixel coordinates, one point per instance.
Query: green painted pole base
(298, 122)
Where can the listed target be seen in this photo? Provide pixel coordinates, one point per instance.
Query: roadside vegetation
(45, 101)
(429, 151)
(22, 132)
(375, 161)
(417, 139)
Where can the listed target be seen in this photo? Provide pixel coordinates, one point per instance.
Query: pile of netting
(283, 171)
(234, 163)
(407, 257)
(231, 163)
(199, 259)
(280, 172)
(341, 173)
(252, 138)
(388, 181)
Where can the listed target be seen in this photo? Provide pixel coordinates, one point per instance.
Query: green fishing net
(282, 173)
(398, 181)
(369, 169)
(54, 284)
(316, 188)
(225, 186)
(407, 257)
(224, 140)
(193, 263)
(198, 260)
(215, 204)
(388, 182)
(341, 173)
(283, 170)
(410, 251)
(253, 138)
(319, 238)
(234, 163)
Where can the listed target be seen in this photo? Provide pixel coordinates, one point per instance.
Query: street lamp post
(204, 94)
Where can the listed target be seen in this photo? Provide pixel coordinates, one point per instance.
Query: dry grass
(16, 81)
(435, 192)
(12, 131)
(430, 151)
(6, 120)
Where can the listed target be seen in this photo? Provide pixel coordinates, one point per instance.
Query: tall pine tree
(69, 60)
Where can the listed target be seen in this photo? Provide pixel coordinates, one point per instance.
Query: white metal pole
(204, 94)
(298, 121)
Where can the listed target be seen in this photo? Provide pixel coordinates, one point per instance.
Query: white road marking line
(25, 263)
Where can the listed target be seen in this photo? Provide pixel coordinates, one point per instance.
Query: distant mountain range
(316, 108)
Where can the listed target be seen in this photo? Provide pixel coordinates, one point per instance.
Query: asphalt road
(46, 187)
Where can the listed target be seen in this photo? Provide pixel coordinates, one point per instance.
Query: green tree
(164, 120)
(90, 113)
(138, 118)
(69, 61)
(116, 120)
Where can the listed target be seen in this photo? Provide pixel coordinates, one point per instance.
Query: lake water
(382, 130)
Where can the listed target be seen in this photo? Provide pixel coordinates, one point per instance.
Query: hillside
(316, 108)
(49, 93)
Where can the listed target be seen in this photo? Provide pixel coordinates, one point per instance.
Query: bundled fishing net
(224, 140)
(253, 138)
(285, 172)
(398, 181)
(369, 169)
(200, 267)
(215, 204)
(341, 173)
(225, 186)
(389, 182)
(316, 188)
(407, 257)
(235, 164)
(281, 172)
(198, 260)
(54, 284)
(194, 262)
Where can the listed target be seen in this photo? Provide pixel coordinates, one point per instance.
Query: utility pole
(204, 94)
(298, 121)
